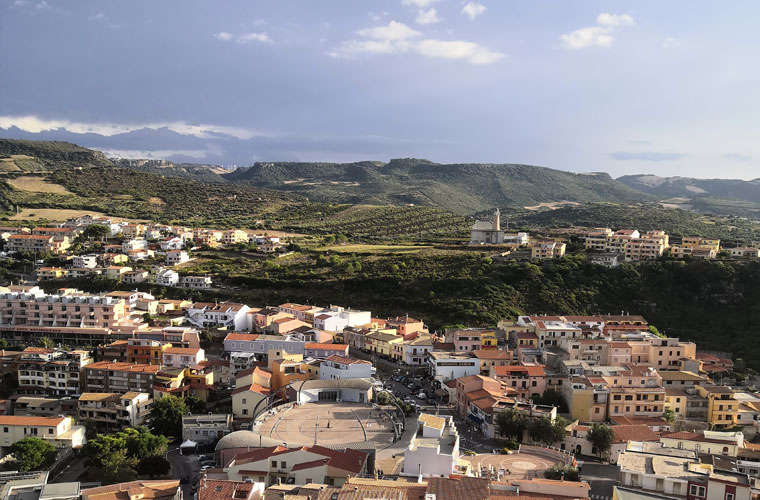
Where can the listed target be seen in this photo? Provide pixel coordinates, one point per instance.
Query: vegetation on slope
(461, 188)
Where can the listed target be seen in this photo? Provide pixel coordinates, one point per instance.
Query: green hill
(192, 171)
(462, 188)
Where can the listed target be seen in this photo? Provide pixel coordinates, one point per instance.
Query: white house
(434, 449)
(446, 366)
(177, 357)
(58, 431)
(174, 257)
(415, 351)
(202, 282)
(130, 245)
(340, 367)
(206, 428)
(90, 260)
(167, 277)
(210, 314)
(173, 243)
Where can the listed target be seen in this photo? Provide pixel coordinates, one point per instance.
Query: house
(586, 398)
(434, 449)
(609, 260)
(405, 326)
(167, 277)
(526, 380)
(710, 442)
(744, 253)
(246, 398)
(89, 260)
(487, 232)
(202, 282)
(444, 366)
(382, 344)
(58, 431)
(576, 440)
(234, 236)
(492, 357)
(206, 428)
(136, 276)
(165, 489)
(175, 257)
(51, 372)
(35, 243)
(341, 367)
(110, 411)
(216, 489)
(172, 243)
(635, 391)
(182, 356)
(547, 250)
(194, 380)
(209, 314)
(302, 465)
(117, 272)
(50, 273)
(722, 406)
(415, 351)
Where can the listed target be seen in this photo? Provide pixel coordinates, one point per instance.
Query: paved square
(329, 423)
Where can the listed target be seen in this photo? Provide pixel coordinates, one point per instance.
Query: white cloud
(398, 38)
(429, 16)
(473, 9)
(224, 36)
(393, 31)
(100, 16)
(614, 20)
(254, 37)
(33, 124)
(471, 52)
(160, 154)
(600, 35)
(421, 4)
(243, 37)
(670, 43)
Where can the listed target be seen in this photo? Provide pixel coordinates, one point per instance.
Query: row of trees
(512, 424)
(124, 455)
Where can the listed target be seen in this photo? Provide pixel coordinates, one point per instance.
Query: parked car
(398, 378)
(422, 396)
(410, 385)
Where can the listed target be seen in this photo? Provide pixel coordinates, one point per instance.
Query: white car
(422, 395)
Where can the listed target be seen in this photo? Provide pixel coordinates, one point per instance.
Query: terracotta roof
(470, 488)
(159, 490)
(326, 347)
(358, 489)
(347, 361)
(120, 366)
(263, 372)
(215, 489)
(182, 350)
(241, 336)
(253, 387)
(491, 354)
(36, 421)
(625, 433)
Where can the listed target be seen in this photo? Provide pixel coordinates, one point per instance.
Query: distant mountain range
(687, 187)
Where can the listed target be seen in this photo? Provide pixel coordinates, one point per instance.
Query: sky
(665, 88)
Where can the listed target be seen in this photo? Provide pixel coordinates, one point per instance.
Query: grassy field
(37, 185)
(8, 165)
(53, 214)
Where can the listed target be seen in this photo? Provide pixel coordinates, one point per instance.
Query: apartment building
(636, 391)
(106, 376)
(445, 366)
(597, 239)
(586, 398)
(35, 406)
(415, 350)
(246, 398)
(167, 277)
(711, 442)
(383, 344)
(176, 257)
(722, 406)
(58, 431)
(35, 243)
(110, 411)
(405, 326)
(134, 277)
(206, 428)
(176, 357)
(548, 250)
(141, 351)
(195, 381)
(75, 309)
(51, 372)
(526, 380)
(233, 237)
(318, 350)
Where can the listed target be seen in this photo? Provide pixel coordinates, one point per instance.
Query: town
(233, 400)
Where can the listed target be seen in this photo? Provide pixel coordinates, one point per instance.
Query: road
(184, 466)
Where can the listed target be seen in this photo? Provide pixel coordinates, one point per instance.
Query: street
(184, 466)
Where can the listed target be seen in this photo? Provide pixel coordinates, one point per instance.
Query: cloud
(600, 35)
(737, 157)
(421, 4)
(670, 43)
(160, 154)
(35, 124)
(393, 31)
(473, 9)
(243, 37)
(397, 37)
(429, 16)
(647, 156)
(456, 49)
(100, 16)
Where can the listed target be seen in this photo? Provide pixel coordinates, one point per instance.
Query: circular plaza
(328, 423)
(526, 464)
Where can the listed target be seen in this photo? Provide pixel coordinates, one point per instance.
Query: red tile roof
(253, 387)
(241, 336)
(531, 370)
(625, 433)
(325, 347)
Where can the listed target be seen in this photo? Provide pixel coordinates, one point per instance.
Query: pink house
(527, 380)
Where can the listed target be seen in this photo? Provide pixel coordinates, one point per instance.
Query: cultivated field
(376, 249)
(37, 185)
(55, 214)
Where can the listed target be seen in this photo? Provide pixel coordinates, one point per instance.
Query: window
(274, 463)
(283, 465)
(729, 496)
(697, 491)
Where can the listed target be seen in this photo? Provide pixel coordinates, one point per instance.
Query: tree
(8, 385)
(601, 437)
(562, 472)
(33, 453)
(670, 416)
(545, 431)
(96, 231)
(550, 397)
(46, 342)
(119, 467)
(195, 405)
(511, 423)
(153, 466)
(141, 443)
(166, 416)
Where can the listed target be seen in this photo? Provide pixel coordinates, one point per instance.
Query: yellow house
(586, 398)
(51, 273)
(722, 408)
(382, 343)
(488, 339)
(181, 382)
(675, 399)
(288, 368)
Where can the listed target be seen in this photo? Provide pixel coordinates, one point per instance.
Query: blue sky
(669, 88)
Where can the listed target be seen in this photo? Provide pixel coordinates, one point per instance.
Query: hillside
(461, 188)
(192, 171)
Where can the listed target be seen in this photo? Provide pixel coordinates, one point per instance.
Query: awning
(474, 418)
(188, 444)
